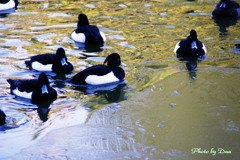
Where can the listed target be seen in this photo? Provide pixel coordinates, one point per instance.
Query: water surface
(163, 110)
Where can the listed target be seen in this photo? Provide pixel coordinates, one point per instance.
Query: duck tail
(11, 82)
(28, 63)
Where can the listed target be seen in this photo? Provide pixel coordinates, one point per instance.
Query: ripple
(174, 153)
(235, 51)
(122, 5)
(14, 42)
(231, 127)
(119, 37)
(125, 44)
(58, 15)
(171, 27)
(90, 6)
(25, 13)
(200, 14)
(44, 37)
(52, 26)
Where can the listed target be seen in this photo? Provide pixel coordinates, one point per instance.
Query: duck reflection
(112, 92)
(89, 47)
(43, 109)
(224, 23)
(59, 79)
(191, 65)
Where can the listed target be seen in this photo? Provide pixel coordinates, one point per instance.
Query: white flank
(176, 48)
(79, 37)
(96, 80)
(40, 67)
(24, 94)
(44, 89)
(194, 45)
(204, 48)
(9, 5)
(103, 36)
(63, 62)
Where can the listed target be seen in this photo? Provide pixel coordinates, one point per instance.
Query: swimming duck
(86, 33)
(51, 62)
(35, 89)
(8, 4)
(2, 118)
(190, 47)
(226, 8)
(101, 74)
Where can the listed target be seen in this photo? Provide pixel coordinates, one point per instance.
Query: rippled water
(162, 111)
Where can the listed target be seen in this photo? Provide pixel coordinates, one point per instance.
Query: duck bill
(223, 5)
(194, 45)
(63, 62)
(44, 89)
(122, 64)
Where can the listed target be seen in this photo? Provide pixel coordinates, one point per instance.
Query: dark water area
(167, 108)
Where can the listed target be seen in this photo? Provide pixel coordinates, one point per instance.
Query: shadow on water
(59, 80)
(90, 47)
(112, 92)
(224, 23)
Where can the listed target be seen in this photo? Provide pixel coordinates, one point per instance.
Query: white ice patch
(194, 45)
(96, 80)
(103, 36)
(24, 94)
(9, 5)
(63, 62)
(44, 89)
(79, 37)
(40, 67)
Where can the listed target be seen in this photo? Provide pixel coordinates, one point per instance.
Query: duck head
(61, 56)
(43, 83)
(193, 39)
(224, 3)
(113, 60)
(82, 20)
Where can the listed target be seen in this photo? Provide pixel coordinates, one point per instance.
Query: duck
(86, 33)
(34, 89)
(50, 62)
(190, 47)
(226, 8)
(2, 118)
(8, 4)
(101, 74)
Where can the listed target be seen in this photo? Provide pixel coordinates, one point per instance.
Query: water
(163, 110)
